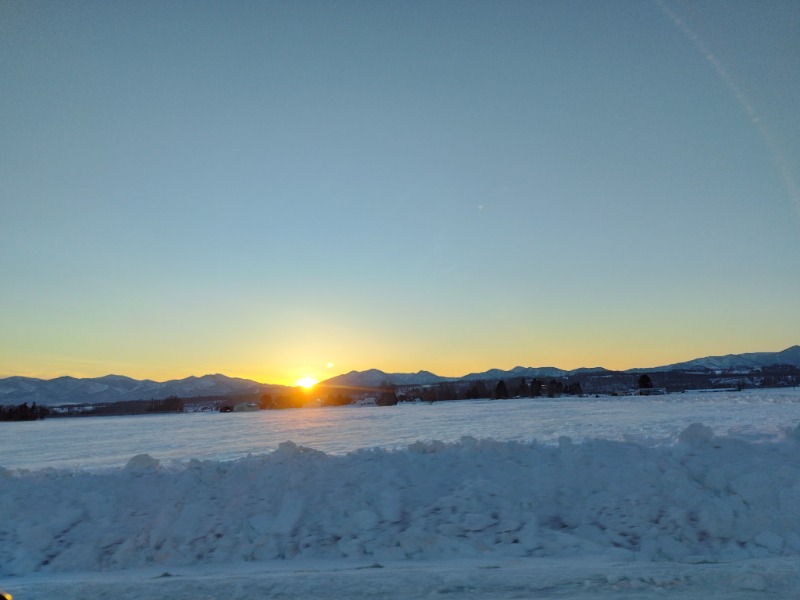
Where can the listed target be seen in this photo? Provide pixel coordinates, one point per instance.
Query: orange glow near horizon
(306, 382)
(295, 368)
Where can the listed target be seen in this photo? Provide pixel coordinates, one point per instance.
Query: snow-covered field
(639, 503)
(97, 443)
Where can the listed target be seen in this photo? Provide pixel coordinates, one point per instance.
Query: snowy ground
(705, 517)
(97, 443)
(578, 578)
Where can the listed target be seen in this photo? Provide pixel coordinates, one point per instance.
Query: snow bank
(702, 498)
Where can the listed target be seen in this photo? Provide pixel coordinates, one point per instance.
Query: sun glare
(306, 382)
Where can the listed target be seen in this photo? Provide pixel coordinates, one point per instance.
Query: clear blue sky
(279, 189)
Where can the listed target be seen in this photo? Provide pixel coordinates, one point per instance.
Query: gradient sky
(278, 189)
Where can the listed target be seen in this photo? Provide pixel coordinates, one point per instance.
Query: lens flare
(306, 382)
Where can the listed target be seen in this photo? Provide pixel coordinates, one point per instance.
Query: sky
(276, 190)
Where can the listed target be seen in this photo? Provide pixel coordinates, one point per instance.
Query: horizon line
(396, 372)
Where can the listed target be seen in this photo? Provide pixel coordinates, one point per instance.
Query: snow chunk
(695, 433)
(770, 541)
(141, 464)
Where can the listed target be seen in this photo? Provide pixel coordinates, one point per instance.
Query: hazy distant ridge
(115, 388)
(752, 360)
(376, 378)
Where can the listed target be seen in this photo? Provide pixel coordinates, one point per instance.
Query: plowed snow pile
(703, 499)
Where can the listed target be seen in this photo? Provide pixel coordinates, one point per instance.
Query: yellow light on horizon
(306, 382)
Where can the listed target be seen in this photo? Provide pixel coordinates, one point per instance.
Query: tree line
(518, 387)
(23, 412)
(300, 398)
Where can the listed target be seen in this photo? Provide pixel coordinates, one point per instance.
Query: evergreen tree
(387, 398)
(501, 391)
(477, 390)
(554, 389)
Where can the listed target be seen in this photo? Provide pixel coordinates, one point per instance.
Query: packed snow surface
(697, 515)
(107, 442)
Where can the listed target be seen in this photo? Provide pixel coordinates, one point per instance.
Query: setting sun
(306, 382)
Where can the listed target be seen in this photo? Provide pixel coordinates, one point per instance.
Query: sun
(306, 382)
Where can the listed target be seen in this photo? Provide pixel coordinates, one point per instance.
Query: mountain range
(115, 388)
(749, 361)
